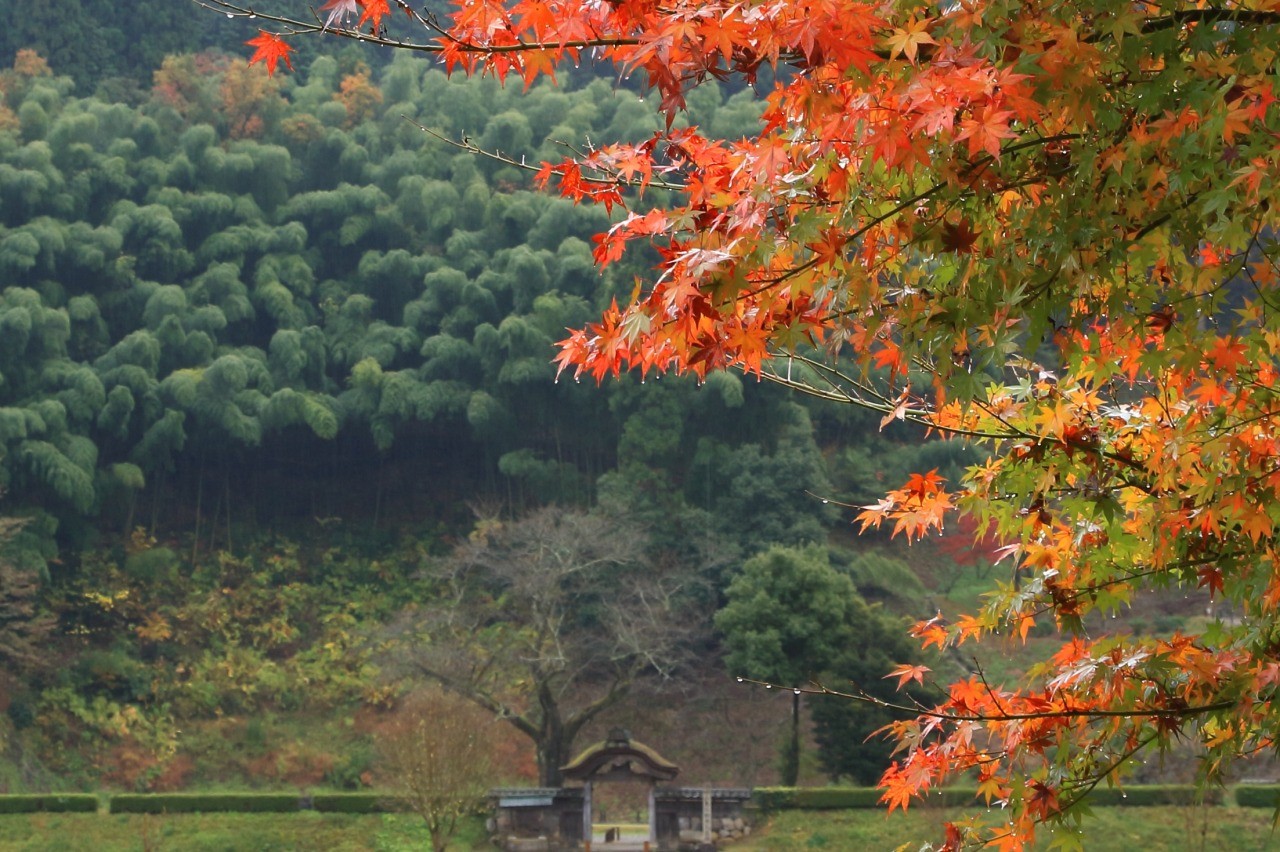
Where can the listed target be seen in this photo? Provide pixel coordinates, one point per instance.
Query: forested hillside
(268, 349)
(102, 47)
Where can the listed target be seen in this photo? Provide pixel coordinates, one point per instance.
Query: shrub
(1146, 795)
(954, 797)
(356, 803)
(48, 802)
(814, 798)
(1258, 795)
(773, 798)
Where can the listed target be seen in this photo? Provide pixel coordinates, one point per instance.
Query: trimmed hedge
(356, 803)
(29, 803)
(773, 798)
(834, 798)
(1258, 795)
(186, 803)
(814, 798)
(764, 798)
(1146, 795)
(829, 798)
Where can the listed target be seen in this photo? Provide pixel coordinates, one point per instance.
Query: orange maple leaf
(1228, 354)
(907, 673)
(908, 39)
(984, 131)
(989, 787)
(898, 787)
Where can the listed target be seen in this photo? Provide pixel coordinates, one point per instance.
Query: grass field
(1163, 829)
(223, 833)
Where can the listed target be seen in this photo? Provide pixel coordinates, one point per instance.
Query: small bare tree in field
(438, 755)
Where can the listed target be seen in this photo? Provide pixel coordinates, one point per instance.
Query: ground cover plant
(1161, 829)
(208, 832)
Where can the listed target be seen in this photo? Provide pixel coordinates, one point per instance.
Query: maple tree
(1046, 228)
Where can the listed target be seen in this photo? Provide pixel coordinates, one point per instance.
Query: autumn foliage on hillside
(1047, 228)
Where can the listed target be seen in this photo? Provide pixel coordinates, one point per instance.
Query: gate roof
(620, 758)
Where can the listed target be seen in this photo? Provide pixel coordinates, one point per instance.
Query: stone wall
(680, 815)
(728, 828)
(550, 820)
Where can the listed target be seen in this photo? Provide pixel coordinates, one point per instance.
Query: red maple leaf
(959, 237)
(1212, 577)
(374, 10)
(270, 49)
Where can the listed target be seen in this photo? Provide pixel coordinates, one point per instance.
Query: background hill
(268, 352)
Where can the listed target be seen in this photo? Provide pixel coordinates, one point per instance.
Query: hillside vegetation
(268, 350)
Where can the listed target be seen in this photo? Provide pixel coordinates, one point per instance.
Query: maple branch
(427, 18)
(1255, 242)
(1211, 16)
(881, 403)
(988, 841)
(879, 219)
(982, 676)
(1082, 446)
(1163, 219)
(941, 715)
(465, 144)
(1076, 593)
(298, 27)
(1085, 786)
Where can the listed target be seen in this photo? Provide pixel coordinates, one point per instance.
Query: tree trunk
(789, 765)
(552, 755)
(195, 538)
(226, 486)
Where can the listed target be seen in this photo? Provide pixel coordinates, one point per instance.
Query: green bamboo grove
(242, 283)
